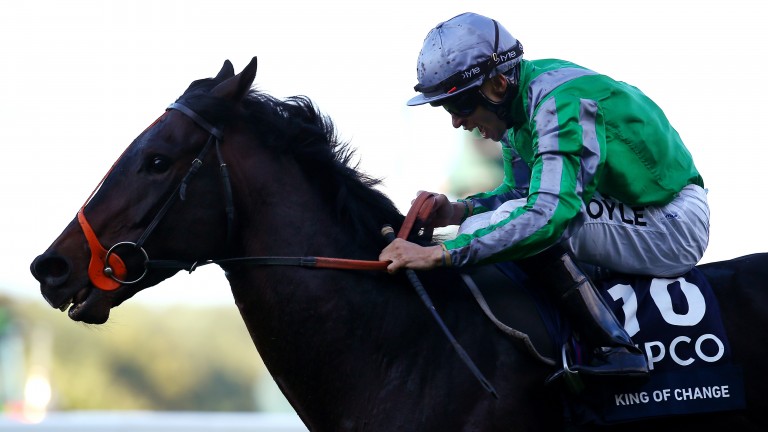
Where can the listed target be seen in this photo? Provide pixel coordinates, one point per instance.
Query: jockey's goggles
(463, 104)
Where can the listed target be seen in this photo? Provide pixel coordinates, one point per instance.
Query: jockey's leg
(613, 350)
(662, 241)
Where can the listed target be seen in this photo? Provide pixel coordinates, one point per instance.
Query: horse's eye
(159, 164)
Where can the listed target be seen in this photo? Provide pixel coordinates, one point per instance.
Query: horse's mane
(296, 126)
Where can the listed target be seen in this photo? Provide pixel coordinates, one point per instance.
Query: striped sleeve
(566, 153)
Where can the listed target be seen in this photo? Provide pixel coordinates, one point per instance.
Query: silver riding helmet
(460, 54)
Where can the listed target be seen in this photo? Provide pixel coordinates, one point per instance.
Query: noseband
(107, 270)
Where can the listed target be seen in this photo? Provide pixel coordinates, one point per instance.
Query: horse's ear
(227, 71)
(237, 86)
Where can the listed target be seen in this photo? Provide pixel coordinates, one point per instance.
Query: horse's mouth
(76, 301)
(88, 305)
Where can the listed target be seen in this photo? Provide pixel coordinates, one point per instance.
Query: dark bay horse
(351, 350)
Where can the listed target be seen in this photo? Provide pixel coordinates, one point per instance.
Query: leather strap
(99, 259)
(419, 216)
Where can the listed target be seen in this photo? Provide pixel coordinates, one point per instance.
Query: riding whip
(389, 235)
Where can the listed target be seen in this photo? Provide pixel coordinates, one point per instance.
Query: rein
(420, 211)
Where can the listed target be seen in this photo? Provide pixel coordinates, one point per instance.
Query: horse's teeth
(66, 305)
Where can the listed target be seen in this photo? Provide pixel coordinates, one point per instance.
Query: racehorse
(228, 172)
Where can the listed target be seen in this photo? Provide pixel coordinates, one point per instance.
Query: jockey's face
(487, 123)
(468, 110)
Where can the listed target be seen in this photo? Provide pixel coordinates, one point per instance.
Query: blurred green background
(144, 358)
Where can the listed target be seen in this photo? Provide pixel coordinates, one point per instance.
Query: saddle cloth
(677, 324)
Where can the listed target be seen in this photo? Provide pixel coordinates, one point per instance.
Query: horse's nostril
(51, 270)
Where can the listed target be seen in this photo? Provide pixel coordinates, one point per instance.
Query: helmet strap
(503, 108)
(495, 47)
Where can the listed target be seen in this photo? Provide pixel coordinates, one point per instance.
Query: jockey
(605, 179)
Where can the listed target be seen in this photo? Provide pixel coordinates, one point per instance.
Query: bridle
(107, 270)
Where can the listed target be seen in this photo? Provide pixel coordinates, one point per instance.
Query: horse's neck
(301, 318)
(303, 321)
(280, 212)
(295, 221)
(298, 227)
